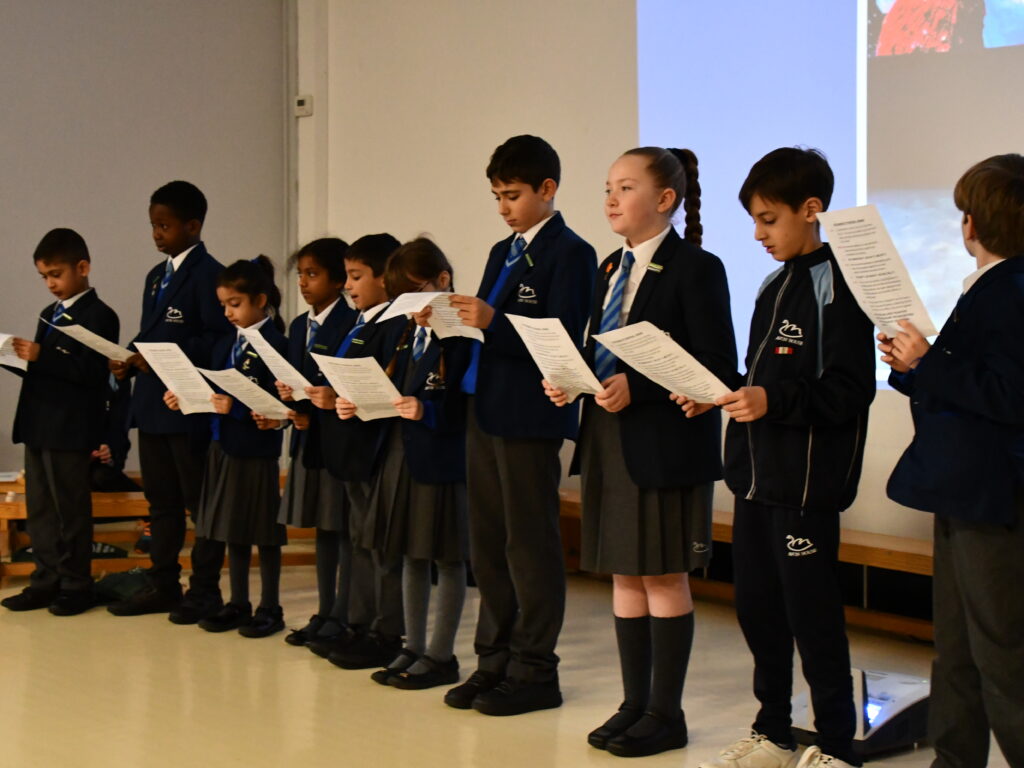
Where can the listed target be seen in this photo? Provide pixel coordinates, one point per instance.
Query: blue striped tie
(58, 313)
(347, 341)
(314, 326)
(518, 247)
(604, 360)
(419, 344)
(236, 351)
(168, 274)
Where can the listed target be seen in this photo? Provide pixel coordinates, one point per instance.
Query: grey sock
(451, 596)
(416, 601)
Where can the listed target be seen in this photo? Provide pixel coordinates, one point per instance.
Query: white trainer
(815, 758)
(755, 751)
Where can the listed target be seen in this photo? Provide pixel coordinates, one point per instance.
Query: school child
(648, 473)
(418, 503)
(59, 419)
(313, 498)
(239, 500)
(966, 465)
(514, 433)
(179, 305)
(793, 452)
(351, 450)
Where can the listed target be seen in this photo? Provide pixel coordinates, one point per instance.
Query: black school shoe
(196, 606)
(439, 673)
(308, 632)
(615, 725)
(516, 697)
(324, 645)
(231, 616)
(73, 602)
(265, 622)
(29, 599)
(396, 666)
(367, 651)
(149, 599)
(462, 696)
(650, 735)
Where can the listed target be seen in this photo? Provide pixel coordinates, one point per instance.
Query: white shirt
(68, 302)
(176, 261)
(642, 255)
(531, 233)
(319, 319)
(972, 278)
(373, 311)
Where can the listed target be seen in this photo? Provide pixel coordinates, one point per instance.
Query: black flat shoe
(304, 635)
(367, 652)
(615, 725)
(231, 616)
(265, 622)
(650, 735)
(401, 662)
(148, 600)
(517, 697)
(325, 646)
(29, 599)
(439, 673)
(73, 602)
(462, 696)
(195, 607)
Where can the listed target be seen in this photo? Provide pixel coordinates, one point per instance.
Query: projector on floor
(892, 712)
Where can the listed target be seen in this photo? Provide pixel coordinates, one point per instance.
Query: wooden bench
(868, 550)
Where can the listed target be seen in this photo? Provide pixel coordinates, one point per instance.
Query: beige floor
(95, 690)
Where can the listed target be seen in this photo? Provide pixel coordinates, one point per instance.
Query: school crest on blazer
(174, 316)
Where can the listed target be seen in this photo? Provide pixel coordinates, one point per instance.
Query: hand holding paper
(251, 394)
(94, 341)
(444, 318)
(873, 269)
(362, 382)
(178, 375)
(281, 368)
(9, 355)
(653, 354)
(552, 350)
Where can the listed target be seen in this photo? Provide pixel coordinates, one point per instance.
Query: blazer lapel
(652, 275)
(177, 280)
(426, 364)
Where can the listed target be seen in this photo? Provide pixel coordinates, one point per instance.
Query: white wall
(104, 101)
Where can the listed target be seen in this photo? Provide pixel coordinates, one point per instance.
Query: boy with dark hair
(793, 453)
(514, 435)
(966, 465)
(60, 419)
(179, 305)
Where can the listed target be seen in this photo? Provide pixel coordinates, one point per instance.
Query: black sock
(327, 543)
(270, 575)
(239, 556)
(671, 641)
(634, 641)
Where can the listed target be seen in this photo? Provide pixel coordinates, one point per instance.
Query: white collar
(319, 319)
(972, 278)
(68, 302)
(253, 327)
(531, 233)
(373, 311)
(644, 252)
(176, 261)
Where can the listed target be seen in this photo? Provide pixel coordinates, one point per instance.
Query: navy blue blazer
(62, 405)
(352, 448)
(967, 399)
(688, 298)
(328, 337)
(239, 435)
(554, 278)
(435, 446)
(189, 315)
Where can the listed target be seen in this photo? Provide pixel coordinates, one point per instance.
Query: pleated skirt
(635, 531)
(313, 498)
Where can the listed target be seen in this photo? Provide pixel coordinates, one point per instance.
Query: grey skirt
(634, 531)
(313, 498)
(421, 520)
(239, 500)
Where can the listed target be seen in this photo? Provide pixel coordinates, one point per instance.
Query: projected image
(898, 27)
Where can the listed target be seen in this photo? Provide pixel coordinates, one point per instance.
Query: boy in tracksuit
(966, 465)
(793, 452)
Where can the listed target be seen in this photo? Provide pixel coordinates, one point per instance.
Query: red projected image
(910, 26)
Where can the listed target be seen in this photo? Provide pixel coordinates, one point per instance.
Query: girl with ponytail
(239, 500)
(647, 471)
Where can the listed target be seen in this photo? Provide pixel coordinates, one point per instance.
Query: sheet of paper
(281, 368)
(251, 394)
(178, 375)
(362, 382)
(444, 318)
(874, 270)
(94, 341)
(7, 355)
(552, 350)
(652, 353)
